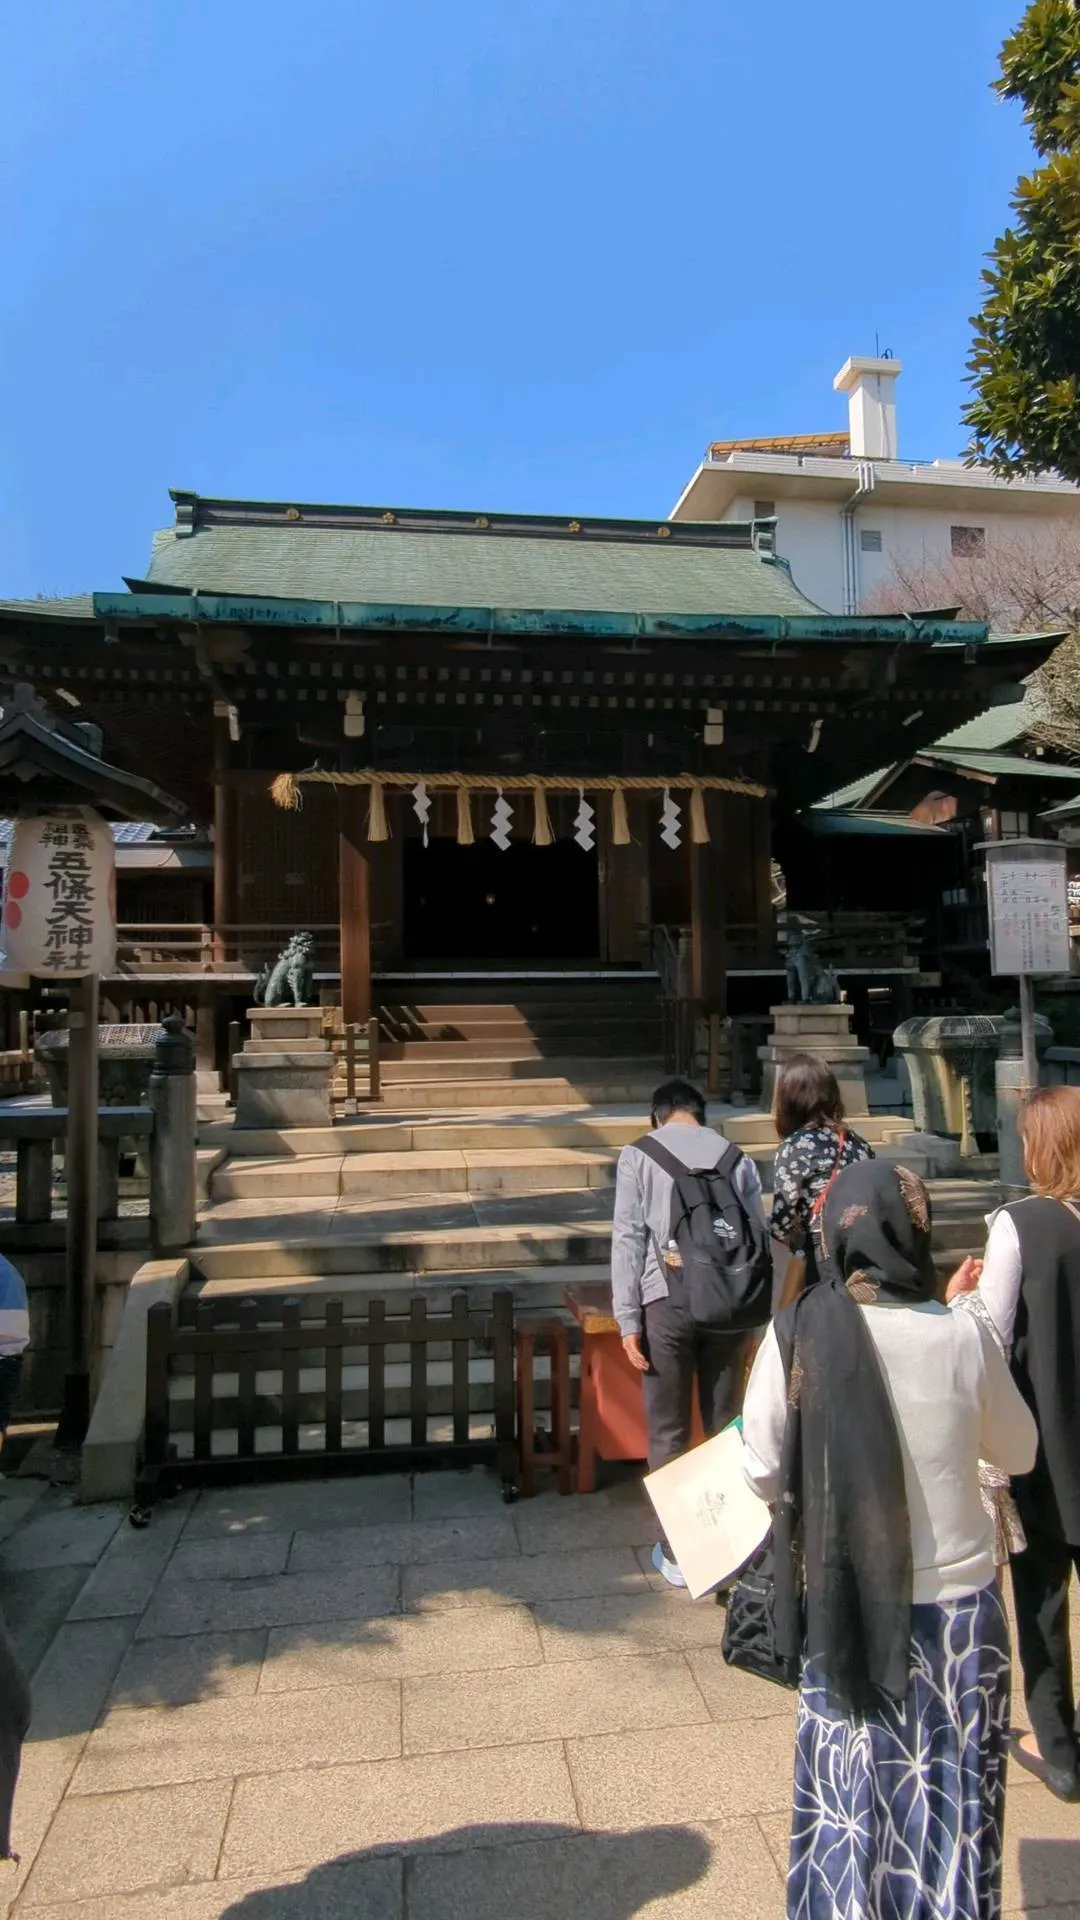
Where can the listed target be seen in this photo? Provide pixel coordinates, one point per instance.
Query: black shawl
(14, 1721)
(841, 1530)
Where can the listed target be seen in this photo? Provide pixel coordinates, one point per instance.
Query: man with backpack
(691, 1274)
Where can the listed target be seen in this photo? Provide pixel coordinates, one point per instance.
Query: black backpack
(726, 1270)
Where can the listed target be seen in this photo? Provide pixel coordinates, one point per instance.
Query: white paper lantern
(59, 913)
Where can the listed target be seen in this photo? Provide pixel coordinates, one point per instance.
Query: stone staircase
(593, 1039)
(403, 1207)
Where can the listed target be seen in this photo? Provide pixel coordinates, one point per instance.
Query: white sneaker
(670, 1569)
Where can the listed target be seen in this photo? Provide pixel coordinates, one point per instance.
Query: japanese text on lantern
(69, 881)
(59, 899)
(1029, 915)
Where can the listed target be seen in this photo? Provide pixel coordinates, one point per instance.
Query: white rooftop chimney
(871, 389)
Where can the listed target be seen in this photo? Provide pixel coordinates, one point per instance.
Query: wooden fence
(239, 1339)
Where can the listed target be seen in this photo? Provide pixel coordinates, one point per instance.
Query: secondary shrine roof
(408, 557)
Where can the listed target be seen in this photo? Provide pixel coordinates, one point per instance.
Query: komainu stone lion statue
(808, 982)
(290, 982)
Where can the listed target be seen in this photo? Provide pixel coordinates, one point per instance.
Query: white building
(848, 508)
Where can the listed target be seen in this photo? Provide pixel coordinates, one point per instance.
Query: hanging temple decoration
(287, 792)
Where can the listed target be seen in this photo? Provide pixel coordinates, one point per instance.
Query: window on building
(764, 509)
(1015, 826)
(870, 539)
(968, 543)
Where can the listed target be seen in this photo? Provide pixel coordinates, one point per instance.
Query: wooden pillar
(625, 891)
(708, 941)
(225, 890)
(81, 1176)
(354, 897)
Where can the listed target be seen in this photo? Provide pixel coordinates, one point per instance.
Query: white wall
(809, 536)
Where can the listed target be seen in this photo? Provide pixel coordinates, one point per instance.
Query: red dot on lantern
(13, 914)
(18, 886)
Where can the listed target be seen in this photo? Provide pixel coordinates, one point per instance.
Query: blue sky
(505, 254)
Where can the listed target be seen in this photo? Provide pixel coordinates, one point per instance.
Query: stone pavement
(398, 1699)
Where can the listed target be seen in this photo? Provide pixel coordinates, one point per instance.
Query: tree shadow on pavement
(493, 1873)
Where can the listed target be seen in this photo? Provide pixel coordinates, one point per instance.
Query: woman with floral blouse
(816, 1143)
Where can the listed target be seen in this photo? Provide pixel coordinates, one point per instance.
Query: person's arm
(788, 1210)
(629, 1244)
(999, 1285)
(764, 1418)
(1010, 1437)
(747, 1184)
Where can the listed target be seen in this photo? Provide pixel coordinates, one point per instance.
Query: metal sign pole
(1027, 1034)
(80, 1166)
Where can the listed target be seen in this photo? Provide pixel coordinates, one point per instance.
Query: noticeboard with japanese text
(1027, 893)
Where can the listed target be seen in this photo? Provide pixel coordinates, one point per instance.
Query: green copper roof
(995, 729)
(406, 558)
(1002, 766)
(72, 606)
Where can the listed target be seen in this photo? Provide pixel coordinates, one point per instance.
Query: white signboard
(59, 915)
(1027, 892)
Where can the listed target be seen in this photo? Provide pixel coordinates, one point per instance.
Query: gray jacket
(643, 1194)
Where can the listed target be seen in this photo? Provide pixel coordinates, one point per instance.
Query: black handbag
(750, 1629)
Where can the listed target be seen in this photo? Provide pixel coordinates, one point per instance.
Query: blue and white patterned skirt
(899, 1816)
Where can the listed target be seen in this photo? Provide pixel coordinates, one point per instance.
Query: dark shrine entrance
(478, 903)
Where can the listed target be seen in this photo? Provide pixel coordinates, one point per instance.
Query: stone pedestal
(284, 1075)
(825, 1031)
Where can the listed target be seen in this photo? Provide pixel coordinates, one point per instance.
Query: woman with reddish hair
(1030, 1287)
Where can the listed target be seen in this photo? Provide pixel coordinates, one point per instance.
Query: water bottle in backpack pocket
(721, 1250)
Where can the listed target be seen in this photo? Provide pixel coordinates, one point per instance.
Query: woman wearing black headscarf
(867, 1412)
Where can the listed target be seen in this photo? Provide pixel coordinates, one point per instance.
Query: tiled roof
(416, 565)
(72, 606)
(995, 729)
(1005, 766)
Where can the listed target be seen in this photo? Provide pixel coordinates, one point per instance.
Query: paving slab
(364, 1889)
(1042, 1849)
(444, 1713)
(479, 1537)
(124, 1579)
(669, 1872)
(776, 1829)
(243, 1557)
(296, 1819)
(732, 1694)
(121, 1842)
(682, 1773)
(34, 1605)
(71, 1536)
(577, 1523)
(608, 1626)
(525, 1578)
(317, 1506)
(180, 1672)
(165, 1746)
(207, 1606)
(346, 1653)
(456, 1494)
(76, 1676)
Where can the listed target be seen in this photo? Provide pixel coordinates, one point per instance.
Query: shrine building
(485, 745)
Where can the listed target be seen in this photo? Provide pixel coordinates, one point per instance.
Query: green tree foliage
(1024, 414)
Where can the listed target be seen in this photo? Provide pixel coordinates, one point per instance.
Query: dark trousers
(680, 1355)
(1040, 1577)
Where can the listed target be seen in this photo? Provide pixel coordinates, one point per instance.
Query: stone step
(400, 1175)
(599, 1126)
(536, 1289)
(410, 1250)
(424, 1066)
(472, 1053)
(597, 1083)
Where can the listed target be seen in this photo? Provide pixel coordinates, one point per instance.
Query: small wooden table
(611, 1416)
